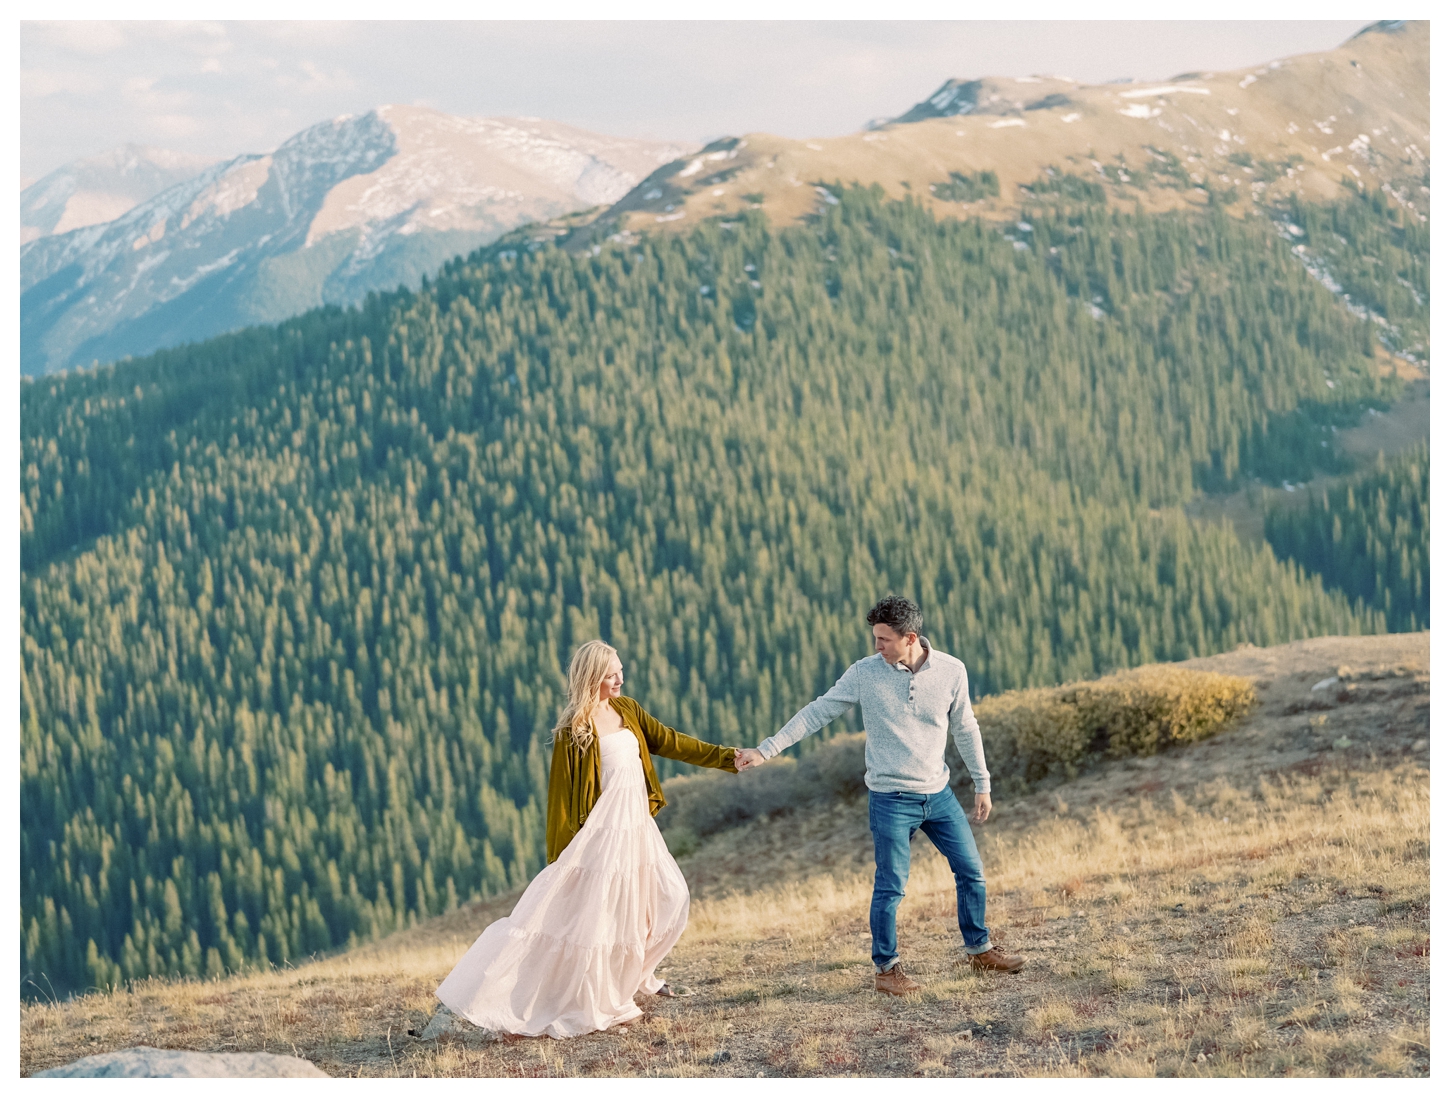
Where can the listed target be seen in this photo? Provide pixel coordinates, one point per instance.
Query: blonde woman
(587, 933)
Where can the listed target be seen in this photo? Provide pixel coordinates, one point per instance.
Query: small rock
(144, 1062)
(1202, 1058)
(721, 1057)
(445, 1021)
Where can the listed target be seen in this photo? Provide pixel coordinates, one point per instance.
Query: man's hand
(746, 757)
(981, 810)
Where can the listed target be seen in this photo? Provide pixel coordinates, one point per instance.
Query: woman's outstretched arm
(665, 741)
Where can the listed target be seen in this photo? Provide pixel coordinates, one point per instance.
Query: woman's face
(613, 680)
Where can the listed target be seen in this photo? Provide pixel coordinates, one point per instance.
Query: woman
(587, 933)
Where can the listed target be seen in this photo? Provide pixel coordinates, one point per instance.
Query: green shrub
(971, 187)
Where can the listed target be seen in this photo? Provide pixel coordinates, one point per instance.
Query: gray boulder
(143, 1062)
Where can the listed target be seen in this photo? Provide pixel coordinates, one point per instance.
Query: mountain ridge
(355, 204)
(1250, 138)
(101, 188)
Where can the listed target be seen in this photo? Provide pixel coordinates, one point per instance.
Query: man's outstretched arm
(812, 718)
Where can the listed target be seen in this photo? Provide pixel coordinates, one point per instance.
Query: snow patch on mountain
(1164, 89)
(469, 174)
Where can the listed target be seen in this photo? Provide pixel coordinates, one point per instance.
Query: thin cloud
(42, 83)
(90, 39)
(221, 88)
(313, 79)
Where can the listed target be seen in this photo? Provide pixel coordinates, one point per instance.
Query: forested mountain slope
(295, 602)
(1370, 537)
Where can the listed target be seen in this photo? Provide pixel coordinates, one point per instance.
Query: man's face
(892, 645)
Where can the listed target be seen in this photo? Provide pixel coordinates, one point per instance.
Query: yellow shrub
(1036, 726)
(1141, 711)
(1047, 732)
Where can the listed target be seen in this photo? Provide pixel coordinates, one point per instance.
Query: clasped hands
(747, 757)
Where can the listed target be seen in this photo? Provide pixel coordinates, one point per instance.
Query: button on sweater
(907, 717)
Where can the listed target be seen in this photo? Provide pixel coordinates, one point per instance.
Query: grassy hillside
(1253, 139)
(295, 602)
(1253, 904)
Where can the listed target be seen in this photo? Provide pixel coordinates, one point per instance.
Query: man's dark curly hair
(900, 613)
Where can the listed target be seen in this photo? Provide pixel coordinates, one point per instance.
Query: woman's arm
(665, 741)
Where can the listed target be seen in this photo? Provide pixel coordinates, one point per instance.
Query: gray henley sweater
(907, 717)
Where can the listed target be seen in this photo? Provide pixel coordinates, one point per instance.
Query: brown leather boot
(996, 959)
(895, 982)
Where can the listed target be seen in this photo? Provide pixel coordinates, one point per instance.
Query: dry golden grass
(1179, 919)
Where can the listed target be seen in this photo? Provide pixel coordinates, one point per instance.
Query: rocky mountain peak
(101, 188)
(357, 203)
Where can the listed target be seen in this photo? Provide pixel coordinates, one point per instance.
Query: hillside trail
(1253, 904)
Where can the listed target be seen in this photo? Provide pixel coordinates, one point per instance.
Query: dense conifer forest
(1369, 537)
(1377, 253)
(295, 601)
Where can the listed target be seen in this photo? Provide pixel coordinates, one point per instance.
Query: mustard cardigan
(574, 774)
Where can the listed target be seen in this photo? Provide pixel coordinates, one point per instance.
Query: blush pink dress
(587, 933)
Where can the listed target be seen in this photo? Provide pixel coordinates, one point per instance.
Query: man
(911, 695)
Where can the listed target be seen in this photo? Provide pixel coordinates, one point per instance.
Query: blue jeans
(895, 818)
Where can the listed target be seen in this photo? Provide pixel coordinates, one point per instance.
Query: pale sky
(222, 88)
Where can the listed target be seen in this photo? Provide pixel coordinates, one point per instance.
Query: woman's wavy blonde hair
(587, 670)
